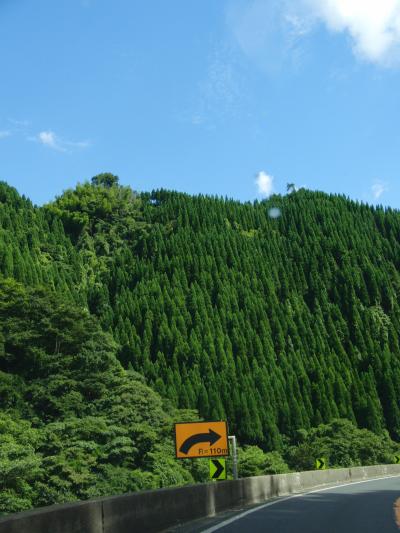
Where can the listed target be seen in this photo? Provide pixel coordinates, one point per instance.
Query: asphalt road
(366, 507)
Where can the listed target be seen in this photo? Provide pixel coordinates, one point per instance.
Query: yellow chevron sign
(217, 469)
(321, 463)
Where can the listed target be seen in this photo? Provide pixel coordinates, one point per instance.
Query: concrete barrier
(80, 517)
(156, 510)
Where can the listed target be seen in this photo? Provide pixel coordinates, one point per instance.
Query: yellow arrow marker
(397, 459)
(201, 439)
(321, 463)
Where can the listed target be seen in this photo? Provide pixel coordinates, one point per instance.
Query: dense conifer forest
(121, 313)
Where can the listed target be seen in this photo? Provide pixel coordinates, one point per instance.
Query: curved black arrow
(210, 437)
(320, 463)
(219, 468)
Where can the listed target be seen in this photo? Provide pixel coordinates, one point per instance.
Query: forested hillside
(276, 323)
(273, 323)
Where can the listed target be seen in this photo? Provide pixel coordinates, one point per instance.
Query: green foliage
(98, 428)
(106, 179)
(342, 444)
(34, 248)
(102, 207)
(19, 463)
(252, 461)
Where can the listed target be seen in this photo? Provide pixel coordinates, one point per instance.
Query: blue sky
(225, 97)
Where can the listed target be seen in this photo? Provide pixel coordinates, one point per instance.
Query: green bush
(252, 461)
(342, 444)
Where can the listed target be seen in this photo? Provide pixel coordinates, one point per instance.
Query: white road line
(300, 494)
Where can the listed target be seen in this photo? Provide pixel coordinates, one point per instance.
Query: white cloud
(77, 144)
(269, 31)
(378, 188)
(4, 134)
(51, 140)
(374, 25)
(19, 123)
(264, 183)
(274, 29)
(48, 138)
(18, 126)
(220, 93)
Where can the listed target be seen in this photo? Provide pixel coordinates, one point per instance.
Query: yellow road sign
(397, 459)
(201, 439)
(217, 469)
(321, 463)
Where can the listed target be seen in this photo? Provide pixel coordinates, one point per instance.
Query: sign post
(232, 440)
